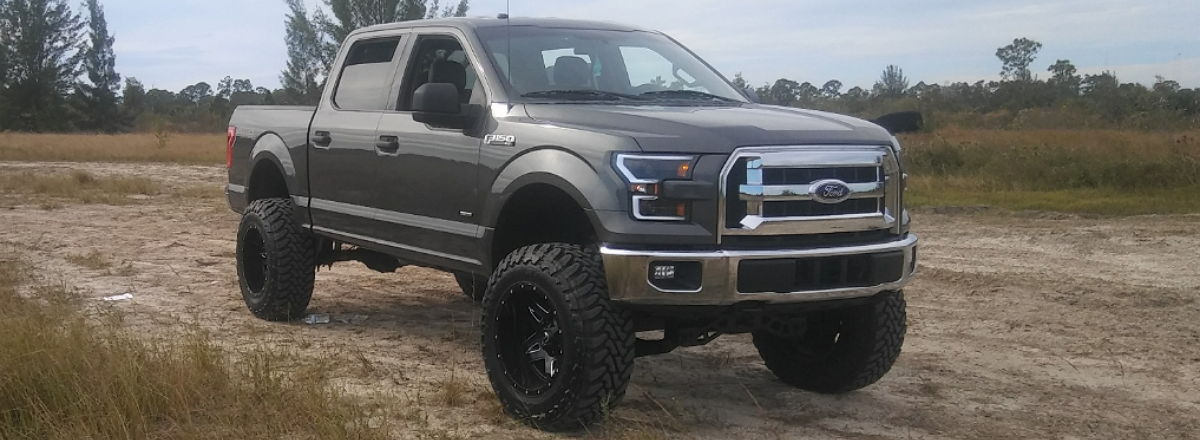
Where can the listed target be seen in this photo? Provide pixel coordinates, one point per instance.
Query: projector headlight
(645, 174)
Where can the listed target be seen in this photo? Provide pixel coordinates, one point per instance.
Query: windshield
(596, 65)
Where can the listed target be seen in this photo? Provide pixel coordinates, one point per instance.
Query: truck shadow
(427, 313)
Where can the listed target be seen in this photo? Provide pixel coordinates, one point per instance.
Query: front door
(431, 177)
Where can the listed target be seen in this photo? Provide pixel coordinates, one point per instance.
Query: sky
(170, 44)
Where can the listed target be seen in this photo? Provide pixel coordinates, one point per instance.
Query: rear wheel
(557, 352)
(838, 351)
(275, 261)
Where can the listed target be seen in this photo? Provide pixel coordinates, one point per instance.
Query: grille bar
(773, 190)
(773, 193)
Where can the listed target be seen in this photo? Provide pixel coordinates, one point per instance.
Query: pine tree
(349, 15)
(40, 39)
(97, 100)
(462, 8)
(306, 67)
(4, 33)
(892, 82)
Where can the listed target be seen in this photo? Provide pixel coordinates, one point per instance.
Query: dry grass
(1088, 171)
(79, 186)
(64, 376)
(191, 149)
(452, 391)
(1117, 172)
(93, 260)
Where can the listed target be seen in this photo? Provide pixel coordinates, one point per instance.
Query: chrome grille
(773, 190)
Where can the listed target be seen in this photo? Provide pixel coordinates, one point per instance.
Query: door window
(366, 79)
(440, 59)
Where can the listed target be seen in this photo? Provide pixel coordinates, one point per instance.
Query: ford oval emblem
(830, 191)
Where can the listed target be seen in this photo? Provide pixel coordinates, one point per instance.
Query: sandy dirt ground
(1020, 326)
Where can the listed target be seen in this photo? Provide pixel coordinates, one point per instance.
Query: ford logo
(830, 191)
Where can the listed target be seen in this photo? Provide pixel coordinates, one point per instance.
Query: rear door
(431, 179)
(344, 152)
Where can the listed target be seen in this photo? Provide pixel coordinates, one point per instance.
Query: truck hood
(711, 129)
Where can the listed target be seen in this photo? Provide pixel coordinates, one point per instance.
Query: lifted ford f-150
(603, 192)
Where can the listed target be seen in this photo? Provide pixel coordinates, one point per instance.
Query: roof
(471, 23)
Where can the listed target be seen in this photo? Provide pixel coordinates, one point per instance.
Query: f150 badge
(830, 191)
(500, 140)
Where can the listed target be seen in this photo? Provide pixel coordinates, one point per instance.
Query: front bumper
(628, 273)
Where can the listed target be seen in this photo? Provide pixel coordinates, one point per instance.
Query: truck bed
(269, 132)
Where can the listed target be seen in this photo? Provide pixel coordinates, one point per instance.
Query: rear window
(366, 79)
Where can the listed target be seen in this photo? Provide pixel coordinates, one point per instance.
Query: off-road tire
(280, 289)
(597, 337)
(840, 350)
(473, 286)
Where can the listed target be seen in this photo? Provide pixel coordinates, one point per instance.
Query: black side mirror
(902, 122)
(437, 104)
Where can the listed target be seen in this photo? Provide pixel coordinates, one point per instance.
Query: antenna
(508, 30)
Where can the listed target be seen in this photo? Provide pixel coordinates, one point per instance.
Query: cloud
(808, 40)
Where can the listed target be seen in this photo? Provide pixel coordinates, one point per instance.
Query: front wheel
(840, 350)
(558, 353)
(276, 261)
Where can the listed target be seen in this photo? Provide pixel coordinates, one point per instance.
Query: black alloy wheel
(530, 339)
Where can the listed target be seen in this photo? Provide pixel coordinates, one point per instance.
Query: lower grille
(823, 273)
(807, 241)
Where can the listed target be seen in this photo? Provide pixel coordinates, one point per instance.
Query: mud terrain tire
(587, 338)
(840, 350)
(276, 261)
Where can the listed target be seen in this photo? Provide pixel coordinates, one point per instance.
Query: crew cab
(602, 192)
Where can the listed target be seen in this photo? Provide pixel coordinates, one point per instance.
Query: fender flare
(555, 167)
(271, 147)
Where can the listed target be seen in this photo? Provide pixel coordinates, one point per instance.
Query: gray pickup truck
(601, 190)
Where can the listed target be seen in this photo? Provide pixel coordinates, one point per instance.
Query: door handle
(388, 144)
(322, 139)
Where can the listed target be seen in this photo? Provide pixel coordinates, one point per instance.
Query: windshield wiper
(582, 95)
(692, 94)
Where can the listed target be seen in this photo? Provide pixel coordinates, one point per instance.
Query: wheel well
(539, 213)
(266, 182)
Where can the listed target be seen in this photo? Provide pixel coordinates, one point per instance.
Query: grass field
(65, 376)
(181, 148)
(1083, 171)
(1108, 172)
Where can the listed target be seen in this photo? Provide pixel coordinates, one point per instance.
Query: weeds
(452, 391)
(1092, 171)
(93, 260)
(64, 376)
(80, 186)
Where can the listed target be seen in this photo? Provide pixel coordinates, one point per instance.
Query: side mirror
(437, 104)
(902, 122)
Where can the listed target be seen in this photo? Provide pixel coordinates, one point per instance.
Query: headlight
(644, 173)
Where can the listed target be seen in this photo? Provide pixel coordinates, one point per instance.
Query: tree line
(1020, 99)
(58, 69)
(58, 73)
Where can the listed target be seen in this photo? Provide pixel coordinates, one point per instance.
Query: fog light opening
(675, 276)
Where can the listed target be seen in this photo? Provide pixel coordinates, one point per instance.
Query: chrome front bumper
(628, 274)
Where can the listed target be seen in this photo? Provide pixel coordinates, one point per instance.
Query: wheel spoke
(533, 336)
